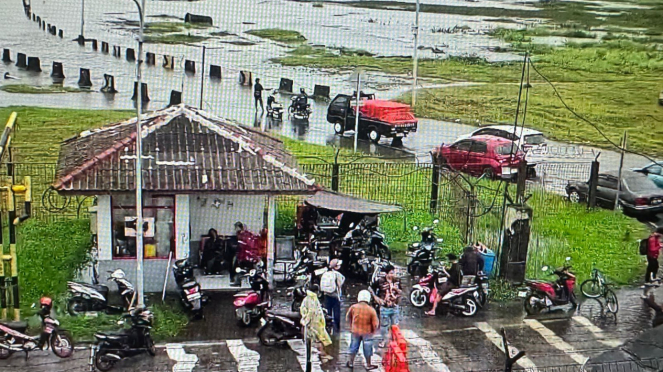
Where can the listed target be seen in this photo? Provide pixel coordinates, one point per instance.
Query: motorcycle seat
(181, 263)
(243, 294)
(288, 314)
(190, 284)
(17, 326)
(99, 288)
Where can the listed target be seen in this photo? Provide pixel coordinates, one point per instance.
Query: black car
(639, 195)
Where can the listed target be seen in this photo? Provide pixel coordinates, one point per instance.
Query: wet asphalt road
(435, 344)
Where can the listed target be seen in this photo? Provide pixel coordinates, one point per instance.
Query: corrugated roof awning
(345, 203)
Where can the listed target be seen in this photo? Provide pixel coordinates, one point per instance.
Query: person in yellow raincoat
(313, 318)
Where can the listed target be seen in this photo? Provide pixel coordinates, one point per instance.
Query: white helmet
(118, 274)
(364, 296)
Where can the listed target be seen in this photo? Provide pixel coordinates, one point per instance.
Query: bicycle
(597, 286)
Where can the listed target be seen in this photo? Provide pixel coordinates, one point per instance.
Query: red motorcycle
(251, 305)
(541, 295)
(422, 292)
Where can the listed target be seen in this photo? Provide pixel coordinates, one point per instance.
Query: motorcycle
(111, 348)
(275, 110)
(191, 295)
(355, 263)
(376, 267)
(89, 297)
(14, 339)
(376, 245)
(307, 265)
(422, 292)
(540, 295)
(278, 327)
(299, 109)
(251, 305)
(422, 254)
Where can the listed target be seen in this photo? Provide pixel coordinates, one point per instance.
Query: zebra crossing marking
(247, 359)
(299, 348)
(376, 359)
(426, 350)
(597, 332)
(183, 362)
(496, 339)
(556, 341)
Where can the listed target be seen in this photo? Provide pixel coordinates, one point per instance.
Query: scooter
(278, 327)
(422, 254)
(541, 295)
(299, 110)
(376, 245)
(275, 110)
(191, 295)
(111, 348)
(251, 305)
(376, 267)
(463, 301)
(308, 265)
(89, 297)
(422, 292)
(13, 338)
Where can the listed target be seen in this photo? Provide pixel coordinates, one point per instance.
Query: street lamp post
(139, 159)
(83, 18)
(416, 56)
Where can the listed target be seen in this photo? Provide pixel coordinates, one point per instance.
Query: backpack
(644, 246)
(328, 282)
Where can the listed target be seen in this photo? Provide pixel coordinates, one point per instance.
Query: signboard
(130, 226)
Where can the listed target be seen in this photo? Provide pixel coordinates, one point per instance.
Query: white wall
(182, 226)
(249, 209)
(104, 228)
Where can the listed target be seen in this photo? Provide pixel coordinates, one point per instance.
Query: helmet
(46, 301)
(118, 274)
(364, 296)
(302, 90)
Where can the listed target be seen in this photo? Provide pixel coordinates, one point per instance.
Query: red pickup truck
(377, 118)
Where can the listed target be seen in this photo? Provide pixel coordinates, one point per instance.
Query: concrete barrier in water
(131, 55)
(190, 66)
(245, 78)
(116, 51)
(57, 72)
(321, 91)
(6, 56)
(175, 98)
(21, 60)
(194, 18)
(61, 34)
(169, 62)
(285, 85)
(215, 71)
(104, 47)
(150, 59)
(95, 44)
(144, 95)
(84, 80)
(109, 84)
(34, 64)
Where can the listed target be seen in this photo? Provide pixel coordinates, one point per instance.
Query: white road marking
(299, 348)
(184, 362)
(556, 341)
(496, 339)
(247, 359)
(426, 350)
(596, 331)
(376, 360)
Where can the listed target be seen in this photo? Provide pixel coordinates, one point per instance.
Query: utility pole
(202, 79)
(357, 111)
(83, 18)
(416, 59)
(621, 166)
(139, 160)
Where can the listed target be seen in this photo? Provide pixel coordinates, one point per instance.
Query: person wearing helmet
(364, 323)
(271, 99)
(302, 100)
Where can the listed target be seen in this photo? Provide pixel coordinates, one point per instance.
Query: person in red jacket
(654, 244)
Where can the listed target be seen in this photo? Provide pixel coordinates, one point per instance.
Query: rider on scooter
(272, 99)
(46, 304)
(302, 100)
(442, 289)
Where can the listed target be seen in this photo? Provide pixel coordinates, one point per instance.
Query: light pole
(357, 112)
(139, 159)
(416, 57)
(83, 18)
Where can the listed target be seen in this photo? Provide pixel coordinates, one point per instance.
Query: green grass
(31, 89)
(42, 130)
(175, 39)
(280, 35)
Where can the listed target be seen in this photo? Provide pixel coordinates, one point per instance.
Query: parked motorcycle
(278, 327)
(354, 262)
(376, 245)
(298, 293)
(274, 108)
(307, 264)
(191, 295)
(111, 348)
(541, 295)
(89, 297)
(422, 254)
(14, 339)
(375, 270)
(422, 292)
(298, 109)
(251, 305)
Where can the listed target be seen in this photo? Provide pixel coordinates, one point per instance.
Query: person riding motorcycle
(302, 100)
(272, 99)
(45, 304)
(471, 262)
(452, 282)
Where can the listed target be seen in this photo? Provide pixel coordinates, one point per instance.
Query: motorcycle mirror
(415, 228)
(238, 270)
(436, 221)
(545, 268)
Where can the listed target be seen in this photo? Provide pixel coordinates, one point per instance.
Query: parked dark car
(377, 118)
(639, 195)
(488, 155)
(654, 171)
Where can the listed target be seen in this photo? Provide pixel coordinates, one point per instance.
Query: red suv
(483, 154)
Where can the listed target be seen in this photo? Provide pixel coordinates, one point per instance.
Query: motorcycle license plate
(442, 280)
(193, 297)
(522, 294)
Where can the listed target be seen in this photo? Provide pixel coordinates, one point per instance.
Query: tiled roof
(184, 149)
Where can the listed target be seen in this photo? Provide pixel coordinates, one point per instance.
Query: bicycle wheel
(591, 288)
(611, 301)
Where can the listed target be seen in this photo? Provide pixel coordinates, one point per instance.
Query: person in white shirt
(331, 284)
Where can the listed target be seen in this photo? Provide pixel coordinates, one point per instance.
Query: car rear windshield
(535, 139)
(506, 149)
(642, 184)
